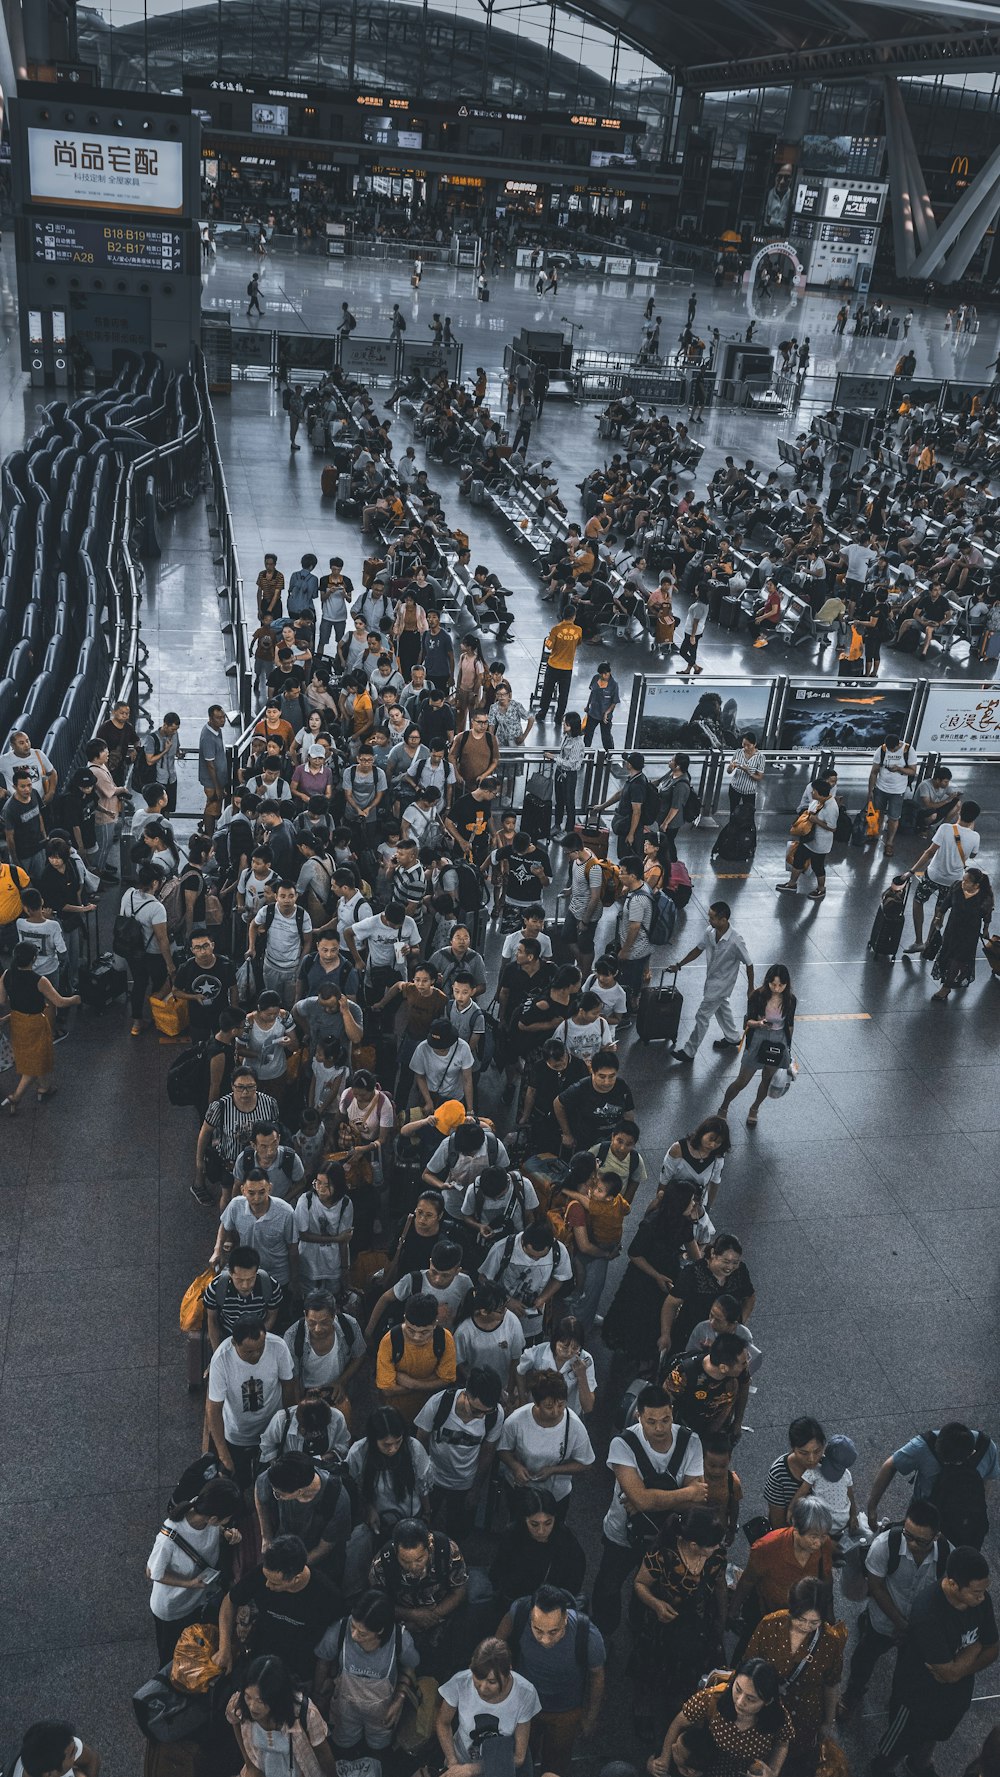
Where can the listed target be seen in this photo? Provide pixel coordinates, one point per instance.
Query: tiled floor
(867, 1199)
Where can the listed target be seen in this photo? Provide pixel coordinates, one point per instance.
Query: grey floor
(867, 1200)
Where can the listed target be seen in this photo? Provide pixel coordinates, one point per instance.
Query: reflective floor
(868, 1200)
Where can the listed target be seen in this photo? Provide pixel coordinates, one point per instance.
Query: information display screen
(71, 169)
(852, 203)
(106, 244)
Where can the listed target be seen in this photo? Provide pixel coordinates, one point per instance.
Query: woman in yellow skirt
(24, 1001)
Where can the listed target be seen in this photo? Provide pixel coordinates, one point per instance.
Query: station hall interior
(684, 325)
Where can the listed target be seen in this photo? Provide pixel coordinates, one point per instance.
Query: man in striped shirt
(230, 1123)
(746, 771)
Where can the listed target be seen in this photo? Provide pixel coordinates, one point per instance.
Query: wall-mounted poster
(844, 714)
(711, 714)
(961, 719)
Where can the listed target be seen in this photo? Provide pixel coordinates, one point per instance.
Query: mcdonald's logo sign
(960, 165)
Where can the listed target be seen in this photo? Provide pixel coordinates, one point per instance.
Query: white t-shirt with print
(497, 1350)
(524, 1278)
(454, 1450)
(460, 1691)
(250, 1393)
(536, 1446)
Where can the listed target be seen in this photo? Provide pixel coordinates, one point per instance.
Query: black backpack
(642, 1528)
(128, 937)
(299, 1343)
(444, 1407)
(692, 807)
(471, 888)
(507, 1220)
(397, 1343)
(519, 1621)
(262, 931)
(959, 1493)
(186, 1074)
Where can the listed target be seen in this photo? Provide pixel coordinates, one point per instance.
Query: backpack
(519, 1621)
(664, 917)
(286, 397)
(854, 1575)
(517, 1201)
(397, 1341)
(128, 937)
(505, 1257)
(142, 772)
(959, 1493)
(186, 1073)
(642, 1529)
(445, 1405)
(692, 807)
(491, 1153)
(471, 888)
(611, 880)
(11, 905)
(171, 898)
(250, 290)
(262, 931)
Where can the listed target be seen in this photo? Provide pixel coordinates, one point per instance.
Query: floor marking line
(828, 1017)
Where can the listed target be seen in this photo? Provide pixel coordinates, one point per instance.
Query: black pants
(739, 803)
(555, 684)
(523, 431)
(689, 649)
(451, 1511)
(591, 726)
(148, 975)
(617, 1563)
(869, 1648)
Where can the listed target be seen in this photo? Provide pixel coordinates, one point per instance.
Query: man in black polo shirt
(590, 1110)
(290, 1607)
(951, 1635)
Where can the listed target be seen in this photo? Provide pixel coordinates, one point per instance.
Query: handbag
(772, 1054)
(802, 825)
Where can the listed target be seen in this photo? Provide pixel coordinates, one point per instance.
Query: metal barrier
(223, 531)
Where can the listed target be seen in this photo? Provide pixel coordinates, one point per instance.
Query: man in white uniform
(725, 954)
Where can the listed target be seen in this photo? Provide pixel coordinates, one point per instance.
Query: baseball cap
(838, 1456)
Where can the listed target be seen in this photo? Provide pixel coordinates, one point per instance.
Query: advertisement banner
(71, 168)
(962, 719)
(711, 714)
(306, 351)
(376, 357)
(617, 268)
(862, 391)
(430, 358)
(843, 715)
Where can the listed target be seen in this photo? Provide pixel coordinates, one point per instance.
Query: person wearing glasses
(899, 1564)
(230, 1123)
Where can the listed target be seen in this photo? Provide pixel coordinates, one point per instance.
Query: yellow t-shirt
(563, 642)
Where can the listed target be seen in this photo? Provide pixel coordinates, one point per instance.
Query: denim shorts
(888, 804)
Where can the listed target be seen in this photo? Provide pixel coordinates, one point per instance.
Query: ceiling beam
(954, 52)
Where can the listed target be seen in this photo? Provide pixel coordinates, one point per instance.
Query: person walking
(970, 909)
(815, 829)
(939, 868)
(295, 410)
(25, 999)
(526, 414)
(768, 1027)
(603, 699)
(694, 629)
(726, 953)
(561, 645)
(253, 295)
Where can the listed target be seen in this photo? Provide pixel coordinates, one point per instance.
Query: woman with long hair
(767, 1031)
(664, 1239)
(698, 1159)
(677, 1615)
(969, 906)
(537, 1550)
(391, 1471)
(470, 678)
(276, 1725)
(746, 1718)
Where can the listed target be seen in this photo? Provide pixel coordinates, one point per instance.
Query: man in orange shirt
(416, 1359)
(562, 643)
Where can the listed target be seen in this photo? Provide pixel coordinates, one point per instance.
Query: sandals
(49, 1092)
(751, 1119)
(9, 1106)
(137, 1029)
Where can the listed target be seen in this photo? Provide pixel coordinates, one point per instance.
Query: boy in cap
(832, 1482)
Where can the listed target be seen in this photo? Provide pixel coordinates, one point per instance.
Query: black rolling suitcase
(736, 843)
(102, 982)
(658, 1014)
(729, 613)
(890, 919)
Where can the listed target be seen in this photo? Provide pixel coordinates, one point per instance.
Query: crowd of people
(418, 1152)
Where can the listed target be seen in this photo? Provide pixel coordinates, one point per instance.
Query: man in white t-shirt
(650, 1449)
(859, 560)
(282, 935)
(530, 1268)
(154, 964)
(546, 1444)
(491, 1337)
(460, 1429)
(249, 1378)
(944, 862)
(893, 766)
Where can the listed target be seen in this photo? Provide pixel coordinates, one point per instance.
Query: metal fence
(226, 557)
